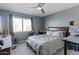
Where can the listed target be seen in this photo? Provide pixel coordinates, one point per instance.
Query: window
(27, 25)
(20, 24)
(17, 24)
(1, 24)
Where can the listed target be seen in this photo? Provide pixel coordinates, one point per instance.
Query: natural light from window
(27, 25)
(0, 24)
(17, 24)
(21, 24)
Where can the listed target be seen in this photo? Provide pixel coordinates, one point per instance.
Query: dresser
(7, 44)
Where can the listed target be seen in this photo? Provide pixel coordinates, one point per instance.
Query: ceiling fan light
(39, 8)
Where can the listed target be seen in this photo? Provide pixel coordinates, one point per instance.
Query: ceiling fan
(40, 7)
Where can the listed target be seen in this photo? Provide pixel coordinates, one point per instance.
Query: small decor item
(76, 23)
(71, 23)
(1, 43)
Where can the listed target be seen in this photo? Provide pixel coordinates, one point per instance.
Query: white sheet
(45, 40)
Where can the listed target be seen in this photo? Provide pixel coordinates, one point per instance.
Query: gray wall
(37, 22)
(62, 18)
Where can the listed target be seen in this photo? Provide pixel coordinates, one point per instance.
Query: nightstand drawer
(5, 51)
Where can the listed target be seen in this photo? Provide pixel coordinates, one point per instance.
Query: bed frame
(51, 29)
(58, 28)
(27, 44)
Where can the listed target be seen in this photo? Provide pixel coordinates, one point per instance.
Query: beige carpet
(22, 49)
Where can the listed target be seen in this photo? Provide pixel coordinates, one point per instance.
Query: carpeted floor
(22, 49)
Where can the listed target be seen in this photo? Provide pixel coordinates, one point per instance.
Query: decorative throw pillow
(48, 32)
(57, 33)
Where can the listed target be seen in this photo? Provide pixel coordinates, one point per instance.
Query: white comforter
(49, 44)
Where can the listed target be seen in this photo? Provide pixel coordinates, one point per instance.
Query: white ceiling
(25, 8)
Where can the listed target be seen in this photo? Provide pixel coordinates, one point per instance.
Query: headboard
(58, 28)
(65, 30)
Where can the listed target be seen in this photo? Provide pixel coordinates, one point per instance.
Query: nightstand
(5, 51)
(7, 44)
(41, 32)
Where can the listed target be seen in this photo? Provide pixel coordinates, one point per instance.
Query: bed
(48, 43)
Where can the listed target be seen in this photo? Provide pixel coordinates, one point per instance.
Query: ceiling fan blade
(41, 4)
(42, 10)
(34, 7)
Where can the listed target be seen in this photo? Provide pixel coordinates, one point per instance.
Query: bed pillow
(57, 33)
(48, 32)
(75, 34)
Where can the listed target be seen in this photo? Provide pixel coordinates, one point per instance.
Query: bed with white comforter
(45, 44)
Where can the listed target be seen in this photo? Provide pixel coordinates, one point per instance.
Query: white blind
(27, 25)
(17, 24)
(0, 24)
(21, 24)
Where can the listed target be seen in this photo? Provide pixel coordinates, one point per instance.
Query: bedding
(45, 44)
(57, 33)
(48, 32)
